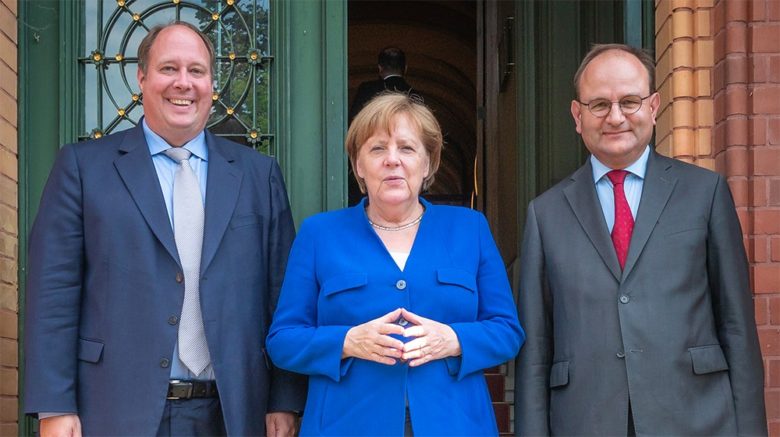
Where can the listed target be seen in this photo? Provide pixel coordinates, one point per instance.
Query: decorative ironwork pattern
(239, 31)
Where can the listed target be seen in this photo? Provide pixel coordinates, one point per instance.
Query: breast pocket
(244, 245)
(342, 283)
(345, 299)
(454, 276)
(242, 220)
(455, 297)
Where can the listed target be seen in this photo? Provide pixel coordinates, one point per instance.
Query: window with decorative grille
(112, 31)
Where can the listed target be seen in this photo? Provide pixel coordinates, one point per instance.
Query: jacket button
(401, 284)
(164, 363)
(179, 277)
(172, 320)
(624, 298)
(621, 354)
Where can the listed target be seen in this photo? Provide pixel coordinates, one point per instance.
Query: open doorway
(440, 42)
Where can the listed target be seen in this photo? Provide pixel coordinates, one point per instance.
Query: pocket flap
(344, 282)
(559, 374)
(90, 350)
(245, 220)
(463, 278)
(708, 359)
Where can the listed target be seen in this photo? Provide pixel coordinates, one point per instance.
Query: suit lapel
(136, 169)
(581, 195)
(658, 186)
(222, 188)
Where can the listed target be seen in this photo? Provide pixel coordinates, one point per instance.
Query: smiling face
(176, 86)
(617, 140)
(393, 164)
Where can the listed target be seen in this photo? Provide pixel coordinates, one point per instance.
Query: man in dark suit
(634, 286)
(392, 68)
(131, 328)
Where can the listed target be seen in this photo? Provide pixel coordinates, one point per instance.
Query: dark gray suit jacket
(674, 332)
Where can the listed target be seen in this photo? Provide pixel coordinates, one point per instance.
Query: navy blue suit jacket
(340, 275)
(104, 287)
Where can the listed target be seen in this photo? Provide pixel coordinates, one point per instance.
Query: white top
(400, 258)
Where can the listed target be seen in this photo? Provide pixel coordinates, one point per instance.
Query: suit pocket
(559, 374)
(685, 229)
(708, 359)
(453, 276)
(239, 221)
(90, 350)
(344, 282)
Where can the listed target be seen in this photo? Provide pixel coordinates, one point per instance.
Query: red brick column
(746, 148)
(9, 296)
(718, 72)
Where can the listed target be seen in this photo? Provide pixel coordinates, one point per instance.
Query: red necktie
(624, 221)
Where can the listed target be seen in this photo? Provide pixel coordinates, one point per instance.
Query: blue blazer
(103, 298)
(340, 275)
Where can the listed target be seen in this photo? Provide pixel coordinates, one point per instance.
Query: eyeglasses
(628, 105)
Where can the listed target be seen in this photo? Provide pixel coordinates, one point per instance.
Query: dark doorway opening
(439, 39)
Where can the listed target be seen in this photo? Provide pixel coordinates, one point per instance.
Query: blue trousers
(192, 417)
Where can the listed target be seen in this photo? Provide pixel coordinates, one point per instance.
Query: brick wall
(8, 220)
(719, 79)
(684, 60)
(761, 22)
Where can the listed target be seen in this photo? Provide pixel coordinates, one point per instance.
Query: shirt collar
(638, 168)
(157, 144)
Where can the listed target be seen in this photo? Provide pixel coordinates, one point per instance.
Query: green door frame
(310, 89)
(546, 138)
(309, 92)
(42, 128)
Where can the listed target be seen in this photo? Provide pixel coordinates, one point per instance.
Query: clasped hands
(372, 340)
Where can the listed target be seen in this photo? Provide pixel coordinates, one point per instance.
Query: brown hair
(378, 115)
(642, 55)
(154, 32)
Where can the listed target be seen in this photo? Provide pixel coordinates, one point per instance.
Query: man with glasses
(634, 289)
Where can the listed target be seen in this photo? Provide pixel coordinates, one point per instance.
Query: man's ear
(576, 113)
(139, 75)
(655, 103)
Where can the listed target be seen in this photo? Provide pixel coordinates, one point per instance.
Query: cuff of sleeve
(47, 415)
(453, 365)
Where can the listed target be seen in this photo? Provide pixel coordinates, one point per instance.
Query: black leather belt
(181, 389)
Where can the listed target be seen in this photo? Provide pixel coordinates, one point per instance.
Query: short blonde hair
(378, 115)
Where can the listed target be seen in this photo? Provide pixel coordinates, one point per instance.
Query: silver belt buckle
(180, 385)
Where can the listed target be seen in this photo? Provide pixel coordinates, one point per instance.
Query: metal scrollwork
(237, 28)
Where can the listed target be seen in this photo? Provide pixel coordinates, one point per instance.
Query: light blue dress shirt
(632, 186)
(166, 170)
